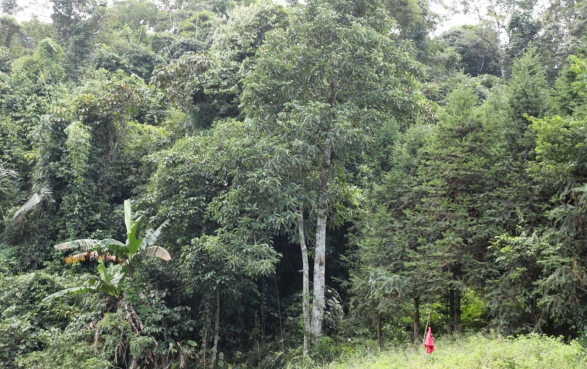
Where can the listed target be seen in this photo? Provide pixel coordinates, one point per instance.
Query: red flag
(429, 343)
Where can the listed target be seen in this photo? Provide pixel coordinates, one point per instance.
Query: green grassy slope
(532, 351)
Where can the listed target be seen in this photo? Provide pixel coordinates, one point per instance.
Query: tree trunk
(319, 274)
(457, 272)
(216, 328)
(320, 252)
(416, 321)
(306, 280)
(379, 338)
(501, 61)
(205, 344)
(457, 320)
(451, 303)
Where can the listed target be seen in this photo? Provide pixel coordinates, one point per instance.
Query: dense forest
(227, 184)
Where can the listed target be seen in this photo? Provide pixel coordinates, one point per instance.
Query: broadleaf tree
(336, 73)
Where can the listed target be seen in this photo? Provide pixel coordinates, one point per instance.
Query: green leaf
(103, 273)
(128, 220)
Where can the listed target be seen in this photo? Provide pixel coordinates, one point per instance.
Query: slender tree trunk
(216, 328)
(205, 344)
(457, 320)
(320, 252)
(451, 302)
(457, 300)
(416, 321)
(306, 280)
(379, 337)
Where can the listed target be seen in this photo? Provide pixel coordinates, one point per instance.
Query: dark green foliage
(477, 47)
(9, 28)
(76, 24)
(523, 31)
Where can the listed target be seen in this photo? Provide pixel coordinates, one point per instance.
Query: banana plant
(111, 280)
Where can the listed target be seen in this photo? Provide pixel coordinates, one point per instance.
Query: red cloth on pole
(429, 343)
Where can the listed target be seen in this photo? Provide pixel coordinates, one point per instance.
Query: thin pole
(427, 323)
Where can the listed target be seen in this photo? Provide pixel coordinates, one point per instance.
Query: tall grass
(478, 351)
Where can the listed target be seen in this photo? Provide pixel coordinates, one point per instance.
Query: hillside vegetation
(249, 184)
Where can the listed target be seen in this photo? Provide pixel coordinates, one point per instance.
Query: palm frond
(159, 252)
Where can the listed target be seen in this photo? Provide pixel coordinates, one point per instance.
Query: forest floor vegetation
(474, 351)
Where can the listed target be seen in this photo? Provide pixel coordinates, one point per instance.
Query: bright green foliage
(25, 95)
(457, 199)
(96, 162)
(26, 320)
(318, 91)
(7, 184)
(78, 146)
(111, 281)
(528, 89)
(560, 150)
(436, 207)
(545, 259)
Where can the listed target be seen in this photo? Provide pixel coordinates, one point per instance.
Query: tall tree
(385, 264)
(76, 24)
(545, 257)
(478, 47)
(325, 82)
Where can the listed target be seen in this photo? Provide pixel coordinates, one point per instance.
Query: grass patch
(477, 351)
